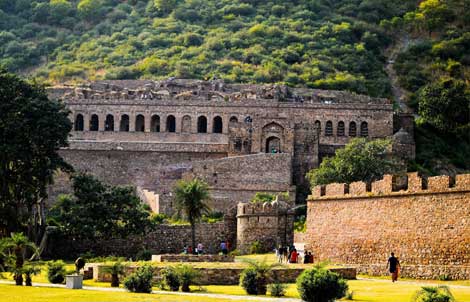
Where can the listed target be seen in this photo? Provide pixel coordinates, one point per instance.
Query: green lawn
(40, 294)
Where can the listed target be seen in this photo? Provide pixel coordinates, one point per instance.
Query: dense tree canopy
(99, 211)
(319, 43)
(360, 160)
(32, 129)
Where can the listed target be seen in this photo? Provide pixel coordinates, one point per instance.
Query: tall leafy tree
(359, 160)
(97, 211)
(191, 198)
(32, 129)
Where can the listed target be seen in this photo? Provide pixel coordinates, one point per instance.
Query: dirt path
(417, 282)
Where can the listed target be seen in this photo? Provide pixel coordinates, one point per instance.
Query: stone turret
(272, 224)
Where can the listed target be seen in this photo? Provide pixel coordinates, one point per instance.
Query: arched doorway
(109, 123)
(202, 124)
(273, 145)
(217, 125)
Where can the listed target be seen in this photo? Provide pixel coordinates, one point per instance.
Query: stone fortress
(240, 138)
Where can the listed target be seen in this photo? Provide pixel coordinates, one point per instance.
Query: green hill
(329, 44)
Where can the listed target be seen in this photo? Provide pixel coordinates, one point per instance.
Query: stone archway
(273, 144)
(272, 140)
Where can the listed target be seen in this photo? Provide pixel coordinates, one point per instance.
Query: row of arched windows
(155, 123)
(341, 131)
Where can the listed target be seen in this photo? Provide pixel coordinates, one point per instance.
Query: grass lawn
(40, 294)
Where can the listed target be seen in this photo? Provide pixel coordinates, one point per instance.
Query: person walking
(394, 266)
(223, 248)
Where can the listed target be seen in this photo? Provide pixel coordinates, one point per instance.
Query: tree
(359, 160)
(32, 129)
(165, 6)
(97, 211)
(445, 105)
(190, 198)
(89, 9)
(17, 246)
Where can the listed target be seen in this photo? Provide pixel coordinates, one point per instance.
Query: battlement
(412, 183)
(278, 206)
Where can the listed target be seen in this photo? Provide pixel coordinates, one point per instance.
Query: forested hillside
(324, 44)
(329, 44)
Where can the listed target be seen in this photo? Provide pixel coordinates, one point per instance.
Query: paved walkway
(158, 292)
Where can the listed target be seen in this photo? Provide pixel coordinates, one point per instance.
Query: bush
(248, 280)
(321, 285)
(256, 248)
(170, 279)
(277, 289)
(56, 271)
(144, 255)
(433, 294)
(141, 280)
(187, 275)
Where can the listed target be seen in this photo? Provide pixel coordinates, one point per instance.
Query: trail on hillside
(399, 94)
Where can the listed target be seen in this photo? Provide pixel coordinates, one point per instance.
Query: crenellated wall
(271, 224)
(426, 222)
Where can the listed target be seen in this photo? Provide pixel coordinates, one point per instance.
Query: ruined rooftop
(214, 90)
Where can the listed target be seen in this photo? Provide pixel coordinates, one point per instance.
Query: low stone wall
(193, 258)
(227, 276)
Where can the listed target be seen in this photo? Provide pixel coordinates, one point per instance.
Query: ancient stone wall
(165, 239)
(271, 224)
(426, 223)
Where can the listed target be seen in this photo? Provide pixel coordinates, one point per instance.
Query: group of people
(289, 254)
(199, 250)
(188, 250)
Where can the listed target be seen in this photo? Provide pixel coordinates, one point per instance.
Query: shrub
(277, 289)
(321, 285)
(248, 280)
(349, 295)
(187, 275)
(170, 279)
(256, 248)
(144, 255)
(56, 271)
(141, 280)
(433, 294)
(116, 269)
(254, 279)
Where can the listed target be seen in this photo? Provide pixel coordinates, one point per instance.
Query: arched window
(109, 123)
(329, 129)
(233, 119)
(140, 123)
(94, 123)
(124, 125)
(364, 129)
(186, 124)
(273, 145)
(202, 124)
(79, 122)
(217, 125)
(318, 126)
(155, 124)
(352, 129)
(340, 130)
(170, 123)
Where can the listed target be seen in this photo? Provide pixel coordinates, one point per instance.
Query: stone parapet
(414, 185)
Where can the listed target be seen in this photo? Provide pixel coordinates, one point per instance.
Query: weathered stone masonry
(150, 134)
(425, 222)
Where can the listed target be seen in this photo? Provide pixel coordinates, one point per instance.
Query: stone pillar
(194, 125)
(163, 117)
(225, 122)
(210, 120)
(131, 122)
(86, 122)
(101, 122)
(117, 122)
(178, 121)
(148, 119)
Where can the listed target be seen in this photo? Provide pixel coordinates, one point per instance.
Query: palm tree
(255, 278)
(115, 270)
(190, 198)
(433, 294)
(18, 244)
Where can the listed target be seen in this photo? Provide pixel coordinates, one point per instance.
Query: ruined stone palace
(240, 138)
